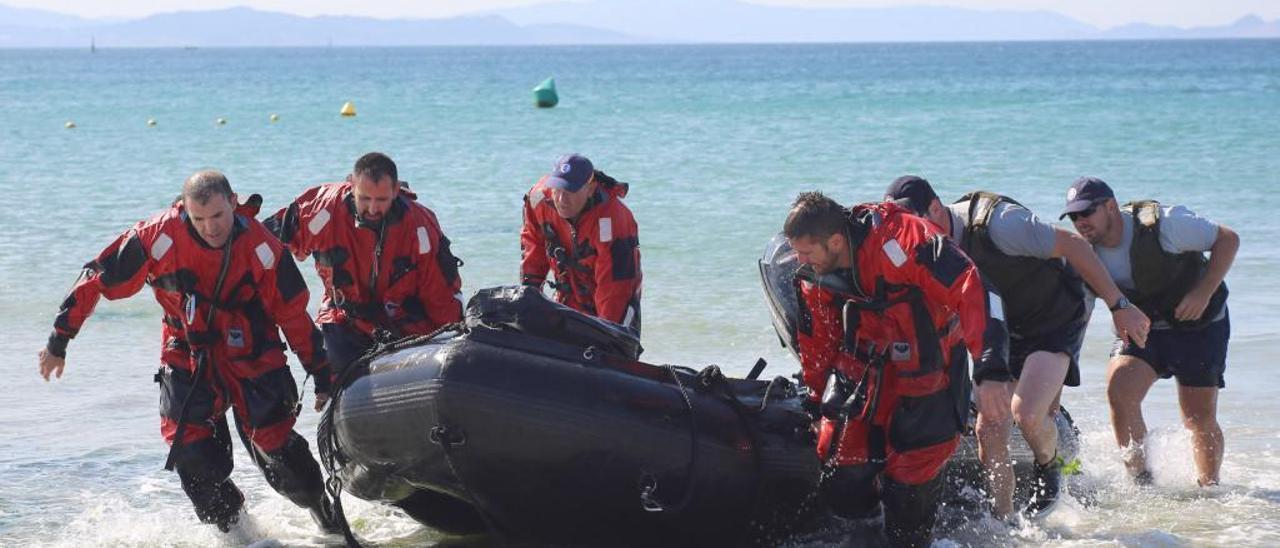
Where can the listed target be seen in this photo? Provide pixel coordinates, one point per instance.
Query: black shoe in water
(322, 514)
(225, 524)
(1144, 479)
(1047, 479)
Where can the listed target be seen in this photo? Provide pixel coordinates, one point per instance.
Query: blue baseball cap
(917, 192)
(1084, 193)
(571, 173)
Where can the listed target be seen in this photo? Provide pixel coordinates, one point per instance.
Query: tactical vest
(1040, 295)
(1161, 279)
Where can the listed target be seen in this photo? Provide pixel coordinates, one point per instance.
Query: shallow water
(715, 140)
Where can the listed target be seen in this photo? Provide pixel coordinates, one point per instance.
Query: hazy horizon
(1100, 13)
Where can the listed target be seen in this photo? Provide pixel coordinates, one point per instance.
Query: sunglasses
(1078, 214)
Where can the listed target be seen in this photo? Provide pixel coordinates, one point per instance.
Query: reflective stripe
(461, 301)
(424, 241)
(318, 222)
(997, 305)
(606, 230)
(631, 315)
(161, 246)
(265, 255)
(535, 197)
(895, 253)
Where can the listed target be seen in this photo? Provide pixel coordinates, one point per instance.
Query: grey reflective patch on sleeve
(318, 222)
(161, 246)
(265, 255)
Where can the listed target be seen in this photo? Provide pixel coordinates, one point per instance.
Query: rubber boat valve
(443, 435)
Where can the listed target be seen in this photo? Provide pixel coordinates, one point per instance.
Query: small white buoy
(69, 125)
(221, 121)
(151, 122)
(348, 109)
(274, 118)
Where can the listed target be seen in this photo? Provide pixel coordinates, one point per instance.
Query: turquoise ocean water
(716, 141)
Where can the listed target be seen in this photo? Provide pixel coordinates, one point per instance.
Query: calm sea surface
(716, 141)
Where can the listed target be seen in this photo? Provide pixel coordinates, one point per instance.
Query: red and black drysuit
(595, 256)
(904, 316)
(396, 274)
(244, 362)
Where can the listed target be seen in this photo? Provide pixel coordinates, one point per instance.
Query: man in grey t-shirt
(1034, 265)
(1155, 255)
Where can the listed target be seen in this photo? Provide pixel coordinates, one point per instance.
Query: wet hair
(814, 215)
(375, 166)
(205, 184)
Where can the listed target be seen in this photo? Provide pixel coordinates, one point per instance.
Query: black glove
(324, 379)
(812, 408)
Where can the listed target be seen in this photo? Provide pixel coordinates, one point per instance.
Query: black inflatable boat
(536, 422)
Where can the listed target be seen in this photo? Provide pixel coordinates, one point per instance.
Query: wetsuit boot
(1046, 481)
(910, 512)
(204, 466)
(216, 502)
(322, 514)
(294, 473)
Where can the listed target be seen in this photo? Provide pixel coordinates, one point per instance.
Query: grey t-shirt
(1014, 229)
(1181, 230)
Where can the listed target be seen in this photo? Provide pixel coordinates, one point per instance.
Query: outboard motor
(778, 269)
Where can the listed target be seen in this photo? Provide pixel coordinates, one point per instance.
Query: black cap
(1084, 193)
(915, 190)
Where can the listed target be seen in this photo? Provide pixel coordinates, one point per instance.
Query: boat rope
(711, 378)
(649, 484)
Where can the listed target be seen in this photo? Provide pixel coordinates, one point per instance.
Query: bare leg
(1033, 402)
(994, 422)
(1200, 416)
(1128, 379)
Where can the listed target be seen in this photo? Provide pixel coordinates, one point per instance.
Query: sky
(1100, 13)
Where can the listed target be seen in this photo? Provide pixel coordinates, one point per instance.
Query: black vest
(1161, 279)
(1040, 295)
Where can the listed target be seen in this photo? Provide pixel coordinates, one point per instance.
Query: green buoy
(544, 95)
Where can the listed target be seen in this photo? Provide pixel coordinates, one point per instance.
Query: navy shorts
(1064, 340)
(1196, 357)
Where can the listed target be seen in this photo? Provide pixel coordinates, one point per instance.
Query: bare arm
(1130, 323)
(1221, 255)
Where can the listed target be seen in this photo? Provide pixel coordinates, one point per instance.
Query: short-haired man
(226, 288)
(1155, 254)
(1046, 312)
(385, 263)
(889, 307)
(576, 225)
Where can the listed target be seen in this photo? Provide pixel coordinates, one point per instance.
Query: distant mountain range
(590, 22)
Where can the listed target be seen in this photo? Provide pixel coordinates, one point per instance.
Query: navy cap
(571, 173)
(1084, 193)
(915, 190)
